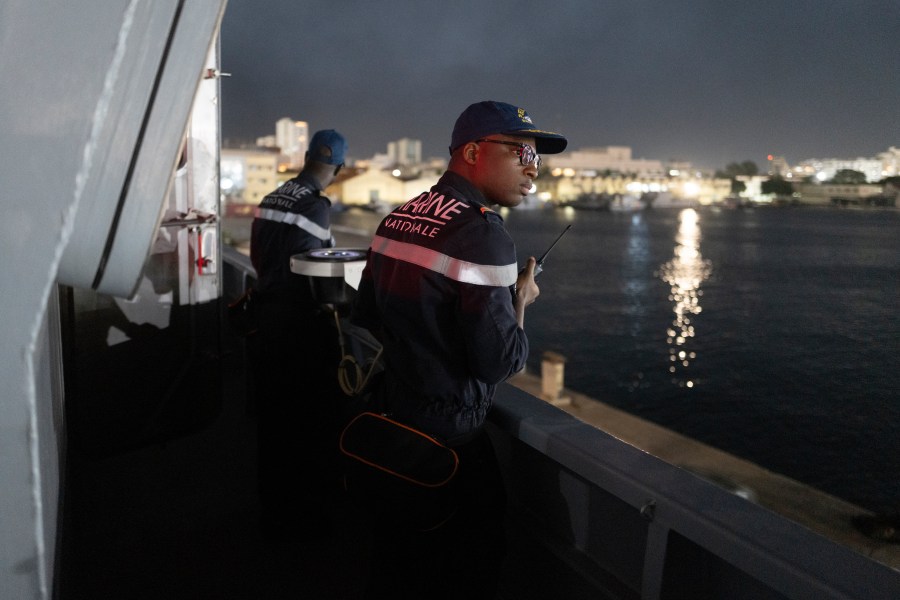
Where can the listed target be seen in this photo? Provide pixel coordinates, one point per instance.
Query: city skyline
(823, 168)
(710, 82)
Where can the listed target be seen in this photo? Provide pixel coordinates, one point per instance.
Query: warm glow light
(396, 172)
(691, 189)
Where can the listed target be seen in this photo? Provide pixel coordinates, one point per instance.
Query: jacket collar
(465, 189)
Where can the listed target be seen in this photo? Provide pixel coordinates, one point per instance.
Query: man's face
(499, 172)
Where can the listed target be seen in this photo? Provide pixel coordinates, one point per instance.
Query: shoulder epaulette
(488, 214)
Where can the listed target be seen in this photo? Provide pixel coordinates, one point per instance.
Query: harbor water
(769, 333)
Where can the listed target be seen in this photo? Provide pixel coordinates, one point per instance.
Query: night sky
(708, 81)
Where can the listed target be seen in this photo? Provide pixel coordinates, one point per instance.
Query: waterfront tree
(777, 186)
(733, 170)
(848, 176)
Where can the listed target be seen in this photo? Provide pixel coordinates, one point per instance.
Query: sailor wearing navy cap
(441, 289)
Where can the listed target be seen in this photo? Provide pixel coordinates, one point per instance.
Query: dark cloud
(707, 81)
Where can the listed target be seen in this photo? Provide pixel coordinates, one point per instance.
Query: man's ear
(470, 152)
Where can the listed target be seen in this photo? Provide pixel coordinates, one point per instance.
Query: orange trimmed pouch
(399, 472)
(398, 450)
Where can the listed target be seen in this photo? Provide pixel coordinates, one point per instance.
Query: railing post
(654, 561)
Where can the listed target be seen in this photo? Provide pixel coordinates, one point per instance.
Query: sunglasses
(526, 153)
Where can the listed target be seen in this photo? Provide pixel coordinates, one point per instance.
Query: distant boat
(735, 202)
(589, 201)
(667, 200)
(626, 203)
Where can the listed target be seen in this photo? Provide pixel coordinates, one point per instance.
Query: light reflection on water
(684, 274)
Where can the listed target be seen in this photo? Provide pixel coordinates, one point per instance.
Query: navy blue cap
(327, 146)
(489, 117)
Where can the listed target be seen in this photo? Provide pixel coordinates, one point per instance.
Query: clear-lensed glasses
(526, 153)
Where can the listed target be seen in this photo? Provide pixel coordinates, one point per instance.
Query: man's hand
(527, 290)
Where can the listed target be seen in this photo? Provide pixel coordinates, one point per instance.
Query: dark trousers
(297, 398)
(462, 558)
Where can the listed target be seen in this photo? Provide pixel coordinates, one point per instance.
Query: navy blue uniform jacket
(438, 290)
(290, 220)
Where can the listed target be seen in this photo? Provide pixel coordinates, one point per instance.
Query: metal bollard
(552, 378)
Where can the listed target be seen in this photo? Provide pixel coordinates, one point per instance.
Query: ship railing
(238, 273)
(612, 520)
